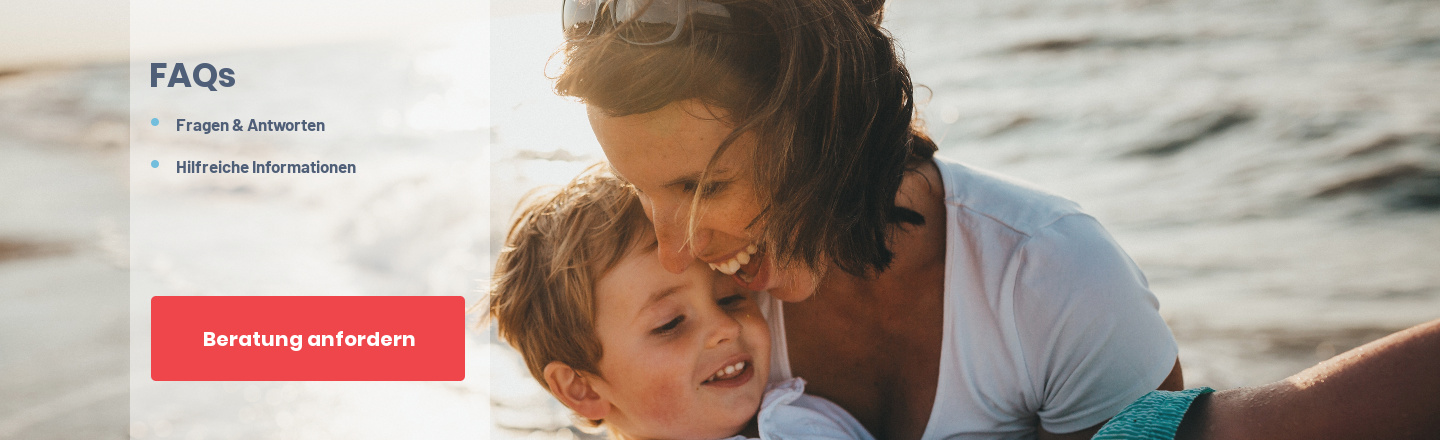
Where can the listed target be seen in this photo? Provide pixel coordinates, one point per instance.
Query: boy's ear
(575, 391)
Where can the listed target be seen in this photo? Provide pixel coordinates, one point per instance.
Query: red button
(307, 338)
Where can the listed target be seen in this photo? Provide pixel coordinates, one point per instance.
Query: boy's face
(683, 355)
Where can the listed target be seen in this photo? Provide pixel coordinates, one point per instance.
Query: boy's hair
(542, 295)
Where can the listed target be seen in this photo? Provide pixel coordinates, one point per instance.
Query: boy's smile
(732, 375)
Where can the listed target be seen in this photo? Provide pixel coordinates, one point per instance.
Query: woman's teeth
(729, 372)
(729, 267)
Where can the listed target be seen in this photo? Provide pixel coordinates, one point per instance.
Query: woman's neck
(872, 344)
(918, 248)
(752, 429)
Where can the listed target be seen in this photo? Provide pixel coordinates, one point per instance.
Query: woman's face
(663, 153)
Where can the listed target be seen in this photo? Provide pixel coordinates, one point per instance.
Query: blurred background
(403, 88)
(1272, 165)
(64, 220)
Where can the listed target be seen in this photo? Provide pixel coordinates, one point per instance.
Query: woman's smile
(664, 154)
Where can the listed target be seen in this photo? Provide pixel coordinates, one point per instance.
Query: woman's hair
(822, 87)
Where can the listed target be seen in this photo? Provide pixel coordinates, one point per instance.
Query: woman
(774, 140)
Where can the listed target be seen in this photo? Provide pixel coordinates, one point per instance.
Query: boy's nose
(726, 329)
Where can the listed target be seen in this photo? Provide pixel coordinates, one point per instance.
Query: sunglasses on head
(641, 22)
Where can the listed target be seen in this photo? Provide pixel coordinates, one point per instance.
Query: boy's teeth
(751, 249)
(728, 372)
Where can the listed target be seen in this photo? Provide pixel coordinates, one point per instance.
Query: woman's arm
(1389, 389)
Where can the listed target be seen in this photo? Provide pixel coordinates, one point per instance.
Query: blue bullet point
(154, 164)
(154, 122)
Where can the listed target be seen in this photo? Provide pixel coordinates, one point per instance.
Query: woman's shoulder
(1012, 202)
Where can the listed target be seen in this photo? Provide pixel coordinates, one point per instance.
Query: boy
(581, 294)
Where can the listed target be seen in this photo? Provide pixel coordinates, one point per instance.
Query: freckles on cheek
(664, 404)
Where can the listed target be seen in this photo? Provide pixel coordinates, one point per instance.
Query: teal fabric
(1154, 416)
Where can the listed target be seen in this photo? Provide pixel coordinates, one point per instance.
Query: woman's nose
(674, 254)
(671, 224)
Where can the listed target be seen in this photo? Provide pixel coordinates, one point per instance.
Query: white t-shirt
(787, 413)
(1048, 323)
